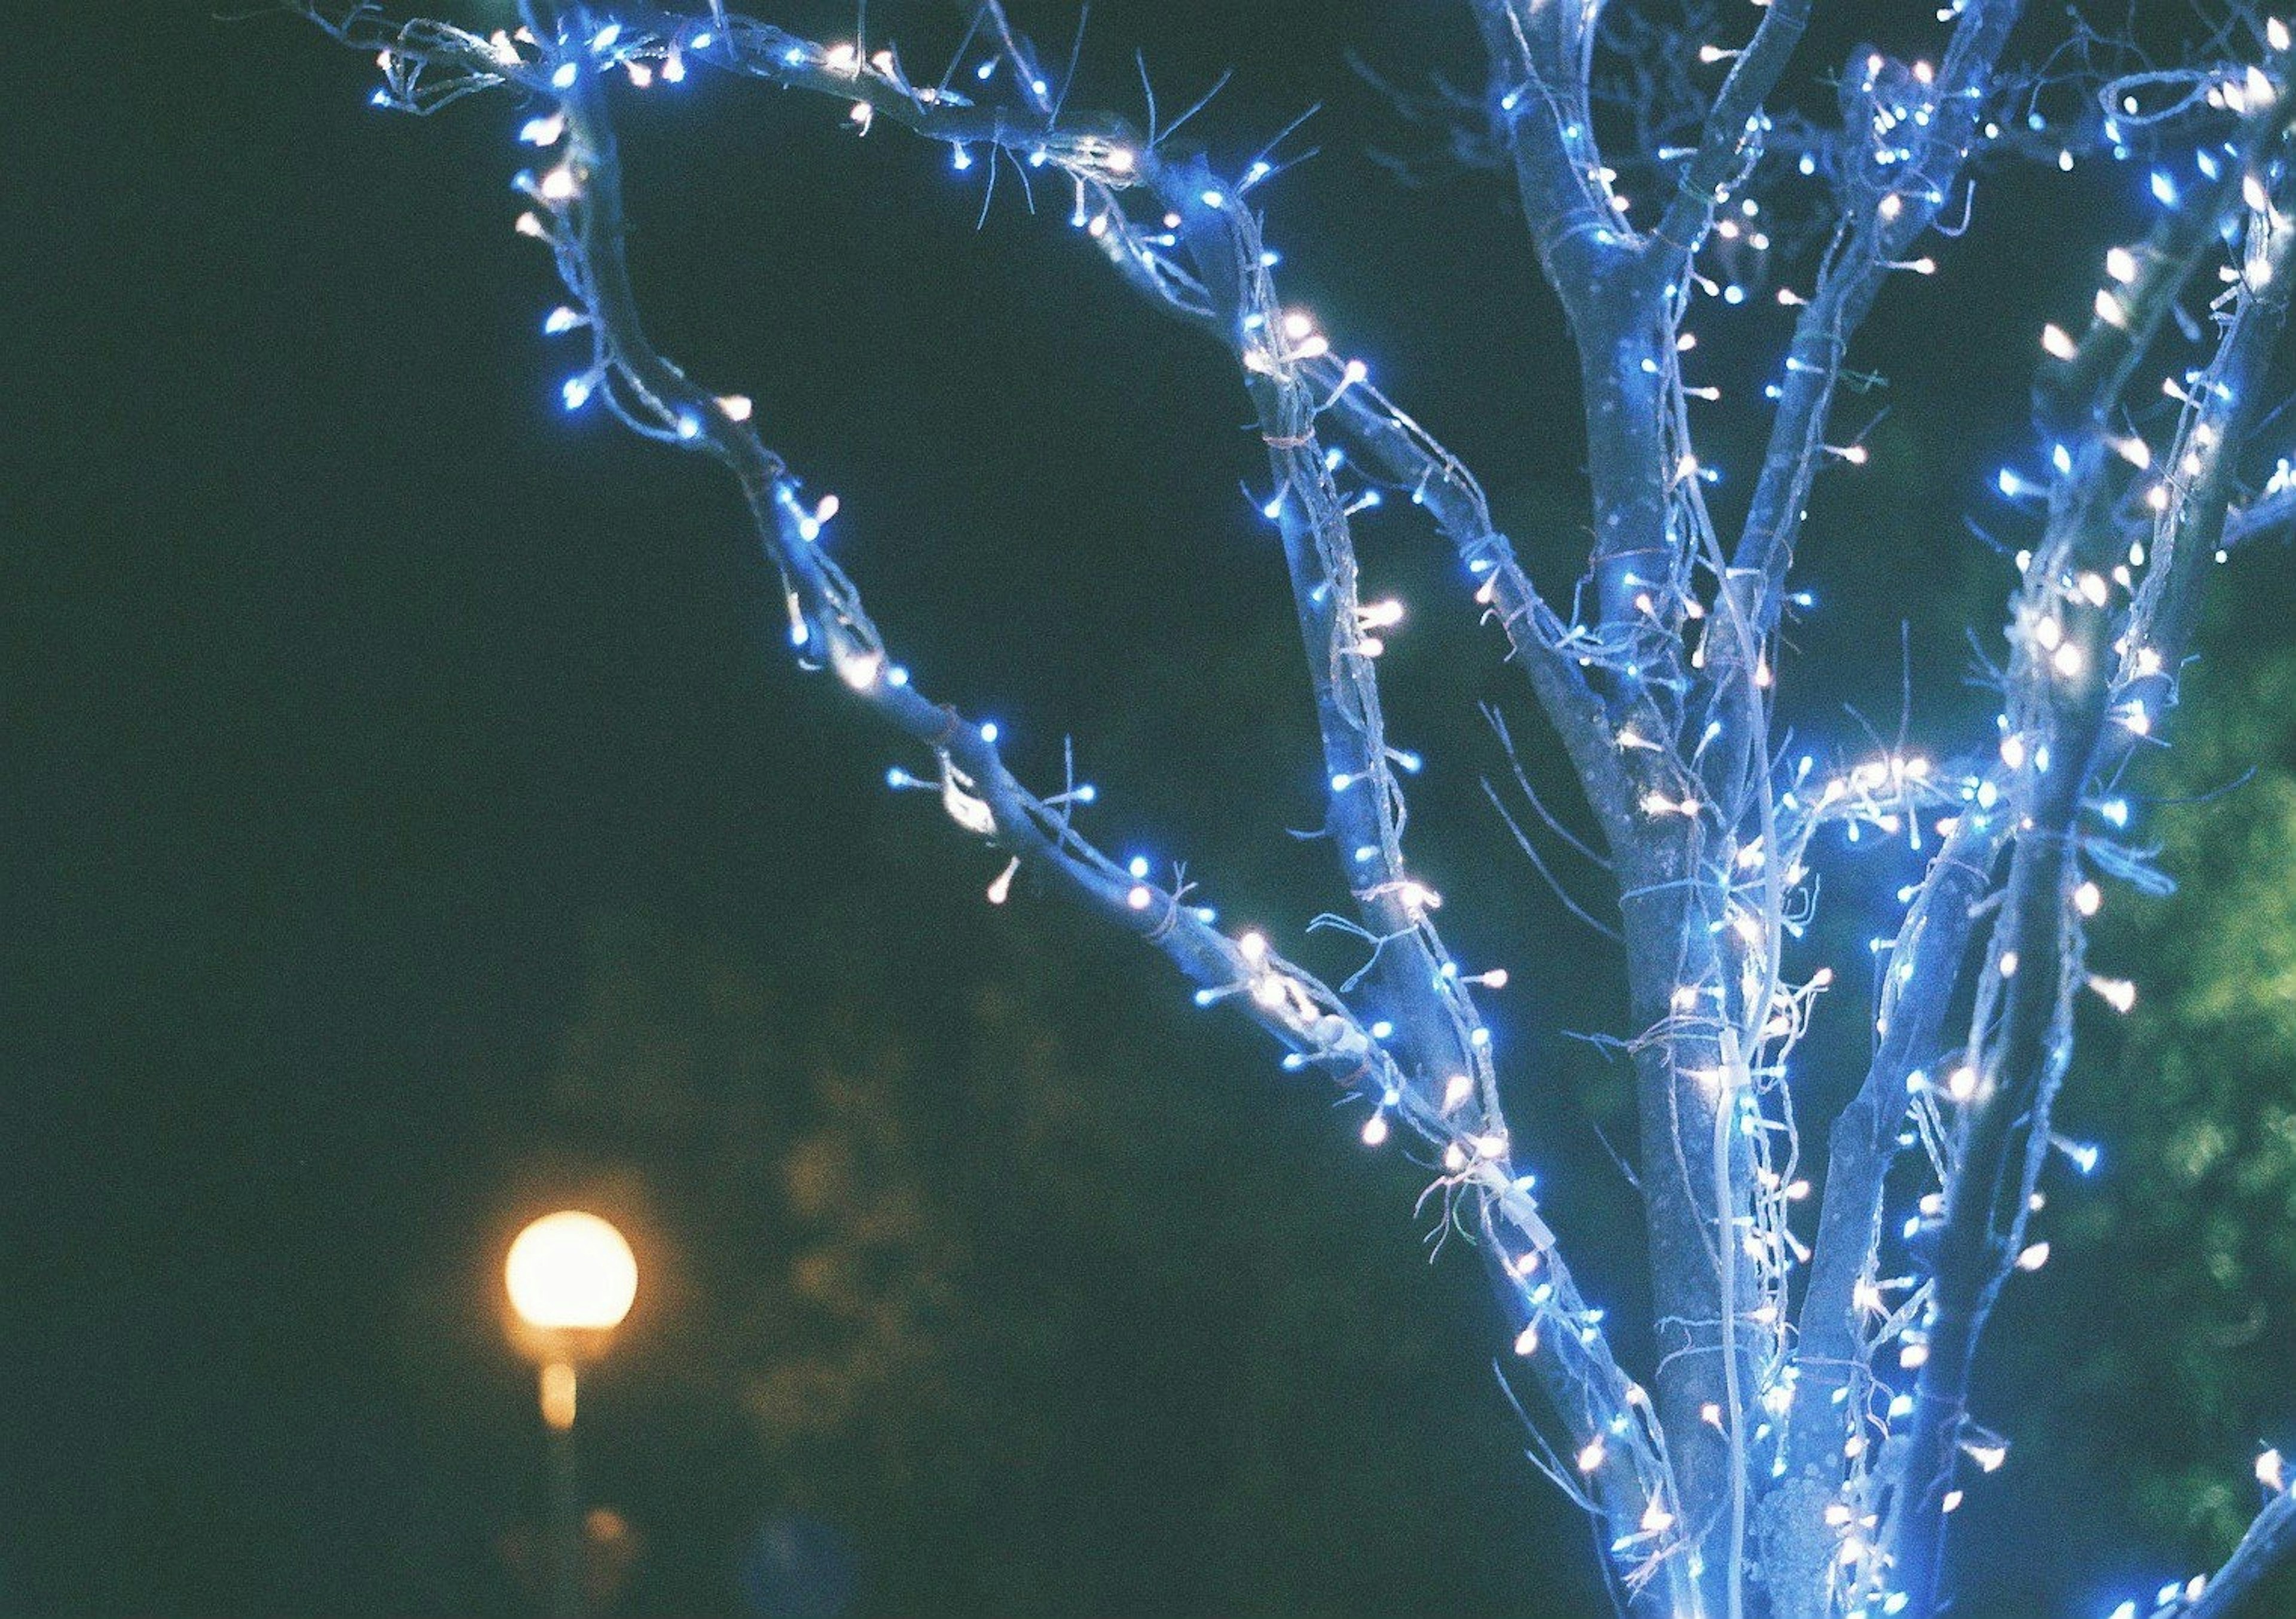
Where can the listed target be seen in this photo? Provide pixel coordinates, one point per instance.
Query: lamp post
(572, 1278)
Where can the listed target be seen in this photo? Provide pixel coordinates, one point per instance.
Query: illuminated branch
(1907, 160)
(1732, 139)
(2270, 1541)
(1105, 157)
(2063, 688)
(1842, 1301)
(1541, 56)
(1926, 961)
(1401, 451)
(2269, 515)
(1619, 1447)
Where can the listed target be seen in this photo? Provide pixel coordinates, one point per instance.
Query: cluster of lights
(1892, 795)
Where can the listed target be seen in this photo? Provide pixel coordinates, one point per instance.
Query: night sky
(355, 692)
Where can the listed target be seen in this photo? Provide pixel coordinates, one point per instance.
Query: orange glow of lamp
(572, 1278)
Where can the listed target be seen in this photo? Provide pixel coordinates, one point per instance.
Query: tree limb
(2063, 689)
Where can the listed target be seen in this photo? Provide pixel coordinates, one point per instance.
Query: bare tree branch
(1913, 133)
(1731, 141)
(2270, 1541)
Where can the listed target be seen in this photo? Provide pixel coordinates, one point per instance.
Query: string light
(1138, 204)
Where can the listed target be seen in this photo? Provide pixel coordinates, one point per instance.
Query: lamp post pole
(572, 1279)
(558, 1408)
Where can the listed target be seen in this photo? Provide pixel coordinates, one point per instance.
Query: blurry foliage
(1045, 1333)
(2159, 1344)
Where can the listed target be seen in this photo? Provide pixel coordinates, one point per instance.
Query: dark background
(416, 826)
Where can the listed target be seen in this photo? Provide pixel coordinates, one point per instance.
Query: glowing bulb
(571, 1271)
(858, 670)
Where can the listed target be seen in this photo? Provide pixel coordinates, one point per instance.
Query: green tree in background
(2191, 1223)
(1034, 1335)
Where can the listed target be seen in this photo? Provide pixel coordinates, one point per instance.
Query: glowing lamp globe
(572, 1272)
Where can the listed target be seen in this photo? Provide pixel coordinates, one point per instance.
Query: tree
(1801, 1429)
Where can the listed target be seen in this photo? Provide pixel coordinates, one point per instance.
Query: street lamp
(572, 1278)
